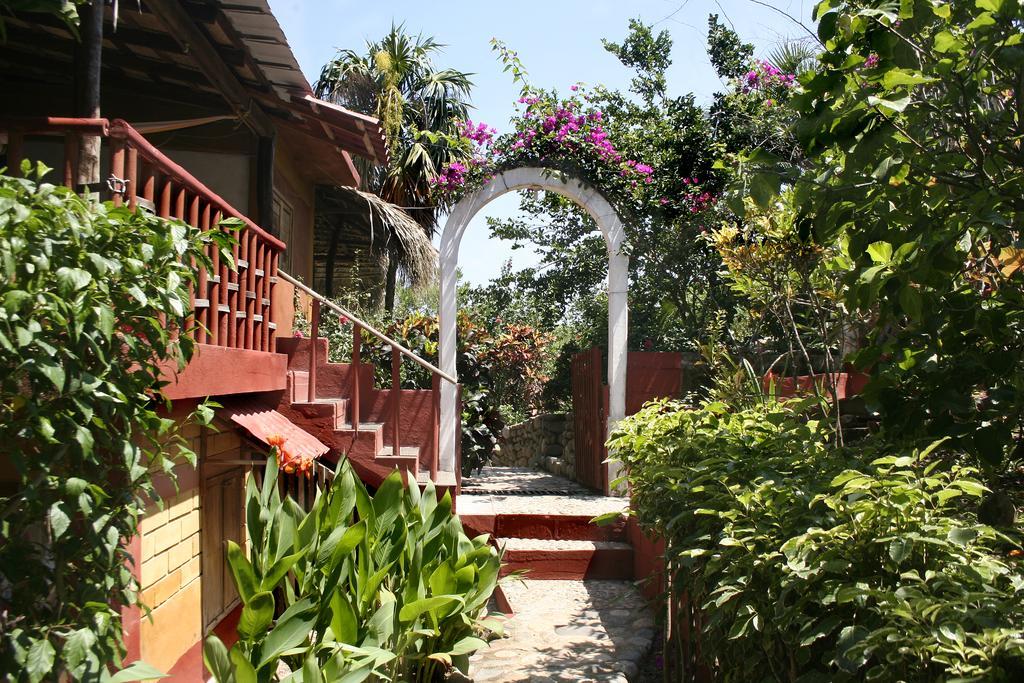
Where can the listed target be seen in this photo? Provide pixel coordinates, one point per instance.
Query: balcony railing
(234, 307)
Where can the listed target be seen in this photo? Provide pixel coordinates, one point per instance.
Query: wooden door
(222, 516)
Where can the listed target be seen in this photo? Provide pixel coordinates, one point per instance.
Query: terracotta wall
(648, 560)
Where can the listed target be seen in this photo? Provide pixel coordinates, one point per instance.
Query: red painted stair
(358, 426)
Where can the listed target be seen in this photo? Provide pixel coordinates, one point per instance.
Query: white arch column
(618, 278)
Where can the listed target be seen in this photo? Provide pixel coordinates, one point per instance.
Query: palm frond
(393, 232)
(793, 56)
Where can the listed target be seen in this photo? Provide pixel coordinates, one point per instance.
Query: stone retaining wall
(545, 440)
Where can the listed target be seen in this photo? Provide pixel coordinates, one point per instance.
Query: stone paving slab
(578, 631)
(522, 479)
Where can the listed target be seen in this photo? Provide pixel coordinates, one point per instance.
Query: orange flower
(275, 440)
(1017, 553)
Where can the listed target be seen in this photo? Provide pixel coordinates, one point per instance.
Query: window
(284, 220)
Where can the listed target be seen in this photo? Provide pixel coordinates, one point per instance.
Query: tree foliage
(420, 106)
(912, 129)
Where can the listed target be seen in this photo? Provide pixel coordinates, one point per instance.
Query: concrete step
(556, 527)
(567, 560)
(445, 480)
(336, 409)
(408, 458)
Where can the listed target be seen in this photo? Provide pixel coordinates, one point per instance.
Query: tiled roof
(262, 421)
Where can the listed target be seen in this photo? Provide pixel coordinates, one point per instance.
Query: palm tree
(419, 105)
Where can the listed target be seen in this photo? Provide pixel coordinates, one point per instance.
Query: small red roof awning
(262, 422)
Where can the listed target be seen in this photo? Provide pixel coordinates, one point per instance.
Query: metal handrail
(369, 328)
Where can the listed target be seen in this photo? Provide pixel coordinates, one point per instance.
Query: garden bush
(89, 297)
(386, 587)
(811, 562)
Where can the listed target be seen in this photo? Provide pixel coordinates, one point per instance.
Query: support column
(88, 61)
(618, 349)
(447, 341)
(265, 184)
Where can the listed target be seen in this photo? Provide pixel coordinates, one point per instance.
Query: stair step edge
(548, 544)
(322, 402)
(403, 452)
(363, 427)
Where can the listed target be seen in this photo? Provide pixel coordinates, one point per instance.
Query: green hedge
(817, 563)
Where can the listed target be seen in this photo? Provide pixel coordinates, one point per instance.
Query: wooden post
(179, 204)
(201, 215)
(249, 300)
(313, 334)
(357, 343)
(272, 275)
(15, 152)
(435, 424)
(88, 60)
(265, 184)
(232, 289)
(396, 397)
(132, 177)
(149, 181)
(164, 208)
(223, 324)
(70, 159)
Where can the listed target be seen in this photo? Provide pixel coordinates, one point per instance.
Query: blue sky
(559, 42)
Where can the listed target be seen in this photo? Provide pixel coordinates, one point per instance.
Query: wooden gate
(650, 375)
(590, 420)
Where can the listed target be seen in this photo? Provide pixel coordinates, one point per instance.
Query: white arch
(618, 275)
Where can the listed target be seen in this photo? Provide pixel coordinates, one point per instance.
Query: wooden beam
(181, 25)
(342, 139)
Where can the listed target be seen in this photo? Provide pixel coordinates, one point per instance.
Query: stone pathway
(570, 628)
(568, 631)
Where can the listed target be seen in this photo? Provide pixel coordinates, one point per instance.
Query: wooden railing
(397, 351)
(233, 306)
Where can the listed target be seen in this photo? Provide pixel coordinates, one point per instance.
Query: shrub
(385, 587)
(811, 562)
(89, 296)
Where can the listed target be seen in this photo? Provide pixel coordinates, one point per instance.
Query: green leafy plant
(93, 301)
(812, 562)
(382, 587)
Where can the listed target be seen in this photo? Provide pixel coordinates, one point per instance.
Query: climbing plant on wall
(94, 301)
